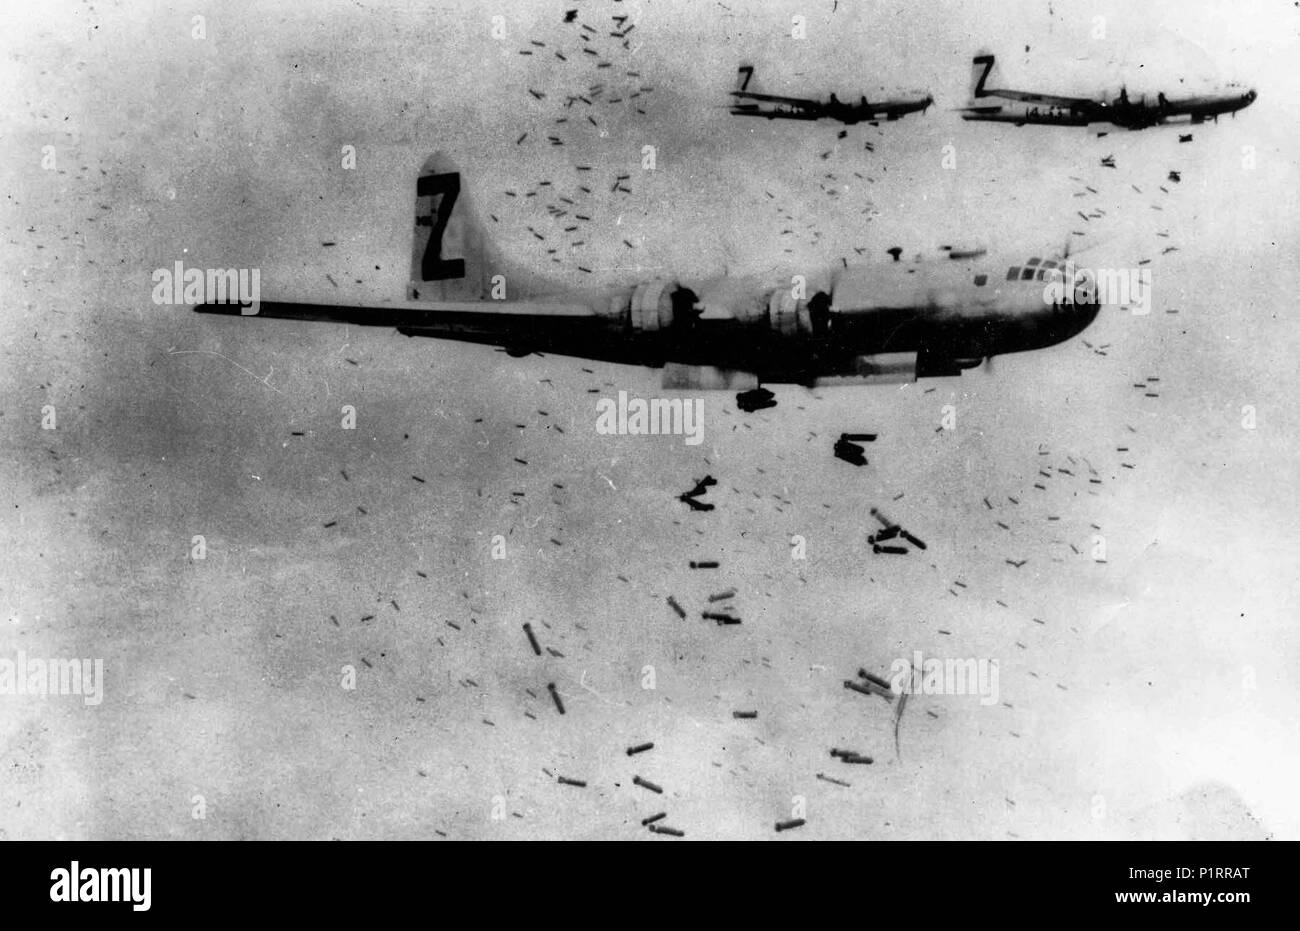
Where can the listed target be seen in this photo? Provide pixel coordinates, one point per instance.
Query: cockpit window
(1032, 262)
(1013, 273)
(981, 280)
(1027, 273)
(1049, 264)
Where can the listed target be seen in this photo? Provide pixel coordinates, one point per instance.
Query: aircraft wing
(1047, 100)
(772, 98)
(525, 327)
(388, 313)
(520, 327)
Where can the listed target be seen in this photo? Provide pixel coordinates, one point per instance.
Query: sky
(1149, 695)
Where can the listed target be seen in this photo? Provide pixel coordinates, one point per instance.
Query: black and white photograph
(659, 420)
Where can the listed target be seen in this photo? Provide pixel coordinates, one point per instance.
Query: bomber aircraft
(1001, 105)
(891, 321)
(750, 103)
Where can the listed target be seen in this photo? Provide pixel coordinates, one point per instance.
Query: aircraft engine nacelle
(787, 314)
(651, 306)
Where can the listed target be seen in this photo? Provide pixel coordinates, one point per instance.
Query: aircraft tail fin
(453, 257)
(982, 67)
(744, 74)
